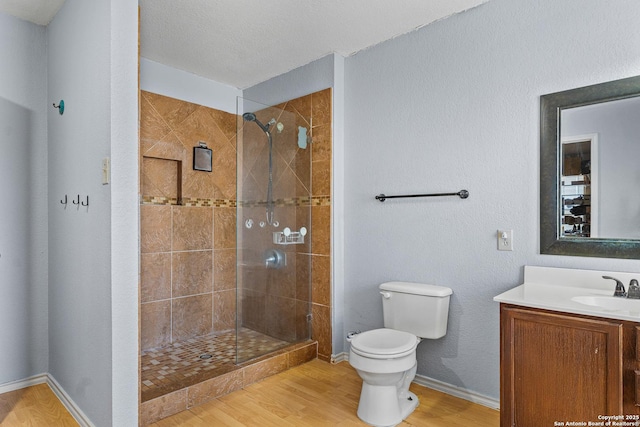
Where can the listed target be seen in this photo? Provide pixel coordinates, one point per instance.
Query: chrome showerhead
(251, 117)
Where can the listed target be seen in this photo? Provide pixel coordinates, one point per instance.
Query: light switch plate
(106, 170)
(505, 240)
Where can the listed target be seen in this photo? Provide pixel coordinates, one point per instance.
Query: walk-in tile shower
(230, 261)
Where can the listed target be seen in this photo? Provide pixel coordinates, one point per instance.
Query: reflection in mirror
(589, 173)
(578, 184)
(616, 124)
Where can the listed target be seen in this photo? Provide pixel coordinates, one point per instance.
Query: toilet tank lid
(416, 288)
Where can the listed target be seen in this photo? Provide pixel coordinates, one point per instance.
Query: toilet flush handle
(385, 295)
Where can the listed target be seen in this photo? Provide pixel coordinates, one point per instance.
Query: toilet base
(380, 406)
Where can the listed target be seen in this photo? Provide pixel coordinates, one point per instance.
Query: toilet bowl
(385, 359)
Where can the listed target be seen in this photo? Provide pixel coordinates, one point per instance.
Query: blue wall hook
(60, 106)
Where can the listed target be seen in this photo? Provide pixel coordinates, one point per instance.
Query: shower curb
(246, 374)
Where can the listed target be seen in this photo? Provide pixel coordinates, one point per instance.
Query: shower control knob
(286, 231)
(303, 231)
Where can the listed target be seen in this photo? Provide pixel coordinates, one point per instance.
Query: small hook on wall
(60, 106)
(77, 201)
(64, 202)
(85, 204)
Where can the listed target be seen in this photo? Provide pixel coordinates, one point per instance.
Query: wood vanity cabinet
(559, 367)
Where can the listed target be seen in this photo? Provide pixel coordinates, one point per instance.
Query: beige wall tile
(321, 108)
(152, 125)
(253, 310)
(321, 230)
(192, 273)
(301, 106)
(215, 387)
(173, 111)
(223, 172)
(155, 324)
(321, 282)
(162, 407)
(321, 146)
(303, 277)
(303, 354)
(168, 147)
(159, 178)
(282, 282)
(224, 269)
(280, 316)
(192, 316)
(224, 228)
(321, 180)
(321, 329)
(155, 276)
(192, 228)
(199, 126)
(266, 368)
(226, 122)
(302, 323)
(155, 228)
(224, 310)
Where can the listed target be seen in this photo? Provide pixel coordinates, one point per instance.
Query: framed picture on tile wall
(202, 158)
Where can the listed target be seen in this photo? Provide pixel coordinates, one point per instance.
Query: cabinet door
(556, 368)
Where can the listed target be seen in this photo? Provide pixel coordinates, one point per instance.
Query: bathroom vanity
(569, 350)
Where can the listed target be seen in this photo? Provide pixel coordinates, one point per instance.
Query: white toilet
(386, 358)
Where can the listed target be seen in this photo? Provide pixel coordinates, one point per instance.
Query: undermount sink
(609, 303)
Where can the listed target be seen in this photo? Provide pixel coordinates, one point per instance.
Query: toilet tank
(417, 308)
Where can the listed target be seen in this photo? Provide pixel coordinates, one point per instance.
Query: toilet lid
(384, 343)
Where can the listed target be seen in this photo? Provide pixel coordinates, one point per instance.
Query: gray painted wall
(456, 105)
(81, 327)
(79, 237)
(309, 78)
(23, 214)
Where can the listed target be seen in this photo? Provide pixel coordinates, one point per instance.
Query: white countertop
(553, 289)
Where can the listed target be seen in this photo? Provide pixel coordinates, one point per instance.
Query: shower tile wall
(321, 113)
(179, 302)
(317, 106)
(187, 222)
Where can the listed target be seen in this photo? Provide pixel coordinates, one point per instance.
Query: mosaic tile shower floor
(180, 364)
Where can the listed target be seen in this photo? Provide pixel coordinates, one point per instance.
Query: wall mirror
(590, 171)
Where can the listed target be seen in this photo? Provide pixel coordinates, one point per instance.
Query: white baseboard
(340, 357)
(434, 384)
(462, 393)
(66, 400)
(20, 384)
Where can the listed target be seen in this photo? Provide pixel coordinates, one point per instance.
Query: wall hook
(60, 106)
(77, 202)
(86, 204)
(64, 202)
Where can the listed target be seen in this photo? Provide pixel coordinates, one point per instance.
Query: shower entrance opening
(230, 248)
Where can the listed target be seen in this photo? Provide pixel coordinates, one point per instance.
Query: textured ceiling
(37, 11)
(244, 42)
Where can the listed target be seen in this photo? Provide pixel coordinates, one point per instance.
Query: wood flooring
(320, 394)
(314, 394)
(35, 406)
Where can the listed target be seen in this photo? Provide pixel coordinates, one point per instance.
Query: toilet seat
(384, 343)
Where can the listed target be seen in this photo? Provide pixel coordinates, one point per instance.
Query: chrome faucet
(619, 292)
(634, 290)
